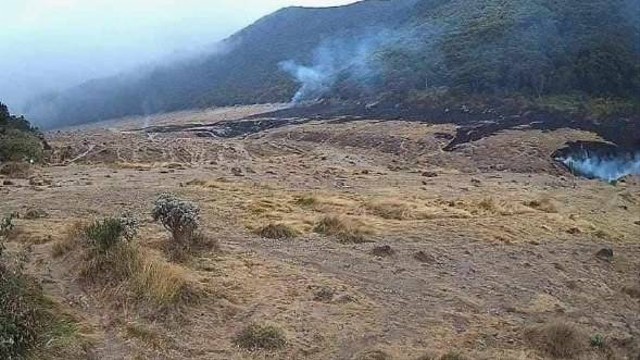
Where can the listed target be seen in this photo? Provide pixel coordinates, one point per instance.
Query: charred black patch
(473, 125)
(624, 133)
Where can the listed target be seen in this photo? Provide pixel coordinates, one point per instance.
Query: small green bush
(261, 337)
(20, 320)
(28, 320)
(597, 341)
(106, 234)
(16, 145)
(6, 227)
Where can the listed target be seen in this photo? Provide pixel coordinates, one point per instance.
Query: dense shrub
(180, 218)
(16, 145)
(19, 141)
(20, 319)
(6, 226)
(24, 316)
(106, 234)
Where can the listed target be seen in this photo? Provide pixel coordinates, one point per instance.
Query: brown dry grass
(278, 231)
(160, 282)
(70, 239)
(347, 230)
(261, 337)
(391, 210)
(367, 304)
(372, 355)
(559, 339)
(144, 275)
(544, 204)
(17, 170)
(490, 205)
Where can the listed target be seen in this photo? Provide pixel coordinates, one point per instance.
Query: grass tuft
(73, 234)
(307, 201)
(452, 355)
(372, 355)
(391, 210)
(16, 170)
(558, 339)
(261, 337)
(545, 204)
(125, 265)
(277, 231)
(29, 321)
(343, 228)
(161, 282)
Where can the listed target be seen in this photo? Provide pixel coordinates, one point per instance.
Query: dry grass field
(349, 240)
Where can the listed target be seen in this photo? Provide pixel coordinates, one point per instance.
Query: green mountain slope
(18, 139)
(387, 48)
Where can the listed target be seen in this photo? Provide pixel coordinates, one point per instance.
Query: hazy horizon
(49, 45)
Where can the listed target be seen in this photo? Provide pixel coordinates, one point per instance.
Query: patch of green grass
(597, 341)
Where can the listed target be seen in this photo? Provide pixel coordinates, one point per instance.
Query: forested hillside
(18, 139)
(376, 48)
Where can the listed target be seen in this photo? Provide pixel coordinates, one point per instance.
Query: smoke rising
(351, 58)
(49, 46)
(607, 168)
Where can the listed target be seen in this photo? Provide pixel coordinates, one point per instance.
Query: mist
(52, 45)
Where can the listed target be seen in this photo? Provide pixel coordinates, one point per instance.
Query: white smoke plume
(353, 57)
(609, 169)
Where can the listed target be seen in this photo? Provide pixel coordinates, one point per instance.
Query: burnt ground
(481, 244)
(623, 133)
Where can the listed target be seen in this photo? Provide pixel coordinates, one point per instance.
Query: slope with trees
(538, 48)
(19, 140)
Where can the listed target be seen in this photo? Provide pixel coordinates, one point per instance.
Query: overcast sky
(50, 44)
